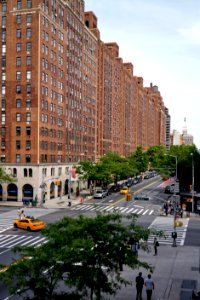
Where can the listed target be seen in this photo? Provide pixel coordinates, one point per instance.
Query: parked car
(100, 194)
(115, 188)
(124, 190)
(29, 223)
(141, 197)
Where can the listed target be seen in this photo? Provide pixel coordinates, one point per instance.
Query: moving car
(99, 194)
(141, 197)
(124, 190)
(29, 223)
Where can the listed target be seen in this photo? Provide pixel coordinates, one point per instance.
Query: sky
(161, 38)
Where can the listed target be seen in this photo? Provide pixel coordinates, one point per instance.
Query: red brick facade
(66, 95)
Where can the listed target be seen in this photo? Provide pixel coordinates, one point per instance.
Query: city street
(149, 214)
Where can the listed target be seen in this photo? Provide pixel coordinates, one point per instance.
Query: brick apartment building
(66, 96)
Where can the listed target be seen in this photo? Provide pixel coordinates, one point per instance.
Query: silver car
(99, 194)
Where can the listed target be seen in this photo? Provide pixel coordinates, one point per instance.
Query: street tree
(91, 252)
(4, 177)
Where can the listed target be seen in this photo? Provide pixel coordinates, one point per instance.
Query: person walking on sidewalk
(149, 284)
(155, 245)
(139, 286)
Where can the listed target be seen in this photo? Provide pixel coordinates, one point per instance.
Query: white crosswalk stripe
(119, 209)
(10, 241)
(166, 224)
(5, 224)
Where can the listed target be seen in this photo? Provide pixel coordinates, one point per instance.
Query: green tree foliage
(4, 177)
(139, 160)
(90, 251)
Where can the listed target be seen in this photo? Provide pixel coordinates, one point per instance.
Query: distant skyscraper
(187, 139)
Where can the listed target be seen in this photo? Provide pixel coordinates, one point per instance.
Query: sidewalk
(175, 275)
(55, 203)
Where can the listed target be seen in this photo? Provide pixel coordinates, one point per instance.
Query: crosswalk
(139, 210)
(6, 223)
(9, 241)
(166, 224)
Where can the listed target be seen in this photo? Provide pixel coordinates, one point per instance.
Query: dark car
(107, 191)
(115, 188)
(169, 189)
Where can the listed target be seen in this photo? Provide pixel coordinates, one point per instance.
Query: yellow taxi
(29, 223)
(124, 190)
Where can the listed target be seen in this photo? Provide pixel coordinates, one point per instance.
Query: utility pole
(192, 182)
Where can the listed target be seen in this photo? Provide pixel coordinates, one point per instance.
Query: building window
(19, 47)
(18, 75)
(3, 62)
(25, 173)
(4, 7)
(18, 145)
(29, 3)
(18, 89)
(28, 47)
(18, 131)
(28, 131)
(18, 61)
(28, 19)
(3, 104)
(14, 172)
(3, 21)
(3, 118)
(19, 33)
(30, 171)
(28, 88)
(3, 49)
(28, 33)
(28, 103)
(19, 4)
(3, 76)
(18, 19)
(28, 117)
(28, 158)
(28, 145)
(18, 117)
(3, 90)
(28, 75)
(3, 36)
(18, 103)
(18, 158)
(28, 60)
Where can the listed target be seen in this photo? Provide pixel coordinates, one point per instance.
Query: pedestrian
(181, 213)
(149, 284)
(22, 215)
(139, 286)
(155, 245)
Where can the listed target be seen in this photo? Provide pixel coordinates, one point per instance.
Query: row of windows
(52, 133)
(18, 103)
(28, 75)
(53, 146)
(19, 47)
(28, 19)
(19, 61)
(19, 89)
(19, 33)
(28, 4)
(27, 145)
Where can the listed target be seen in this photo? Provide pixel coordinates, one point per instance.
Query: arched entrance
(27, 193)
(12, 192)
(1, 193)
(52, 190)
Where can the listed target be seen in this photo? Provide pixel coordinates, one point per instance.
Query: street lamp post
(174, 234)
(192, 182)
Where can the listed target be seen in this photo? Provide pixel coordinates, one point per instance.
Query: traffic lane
(193, 233)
